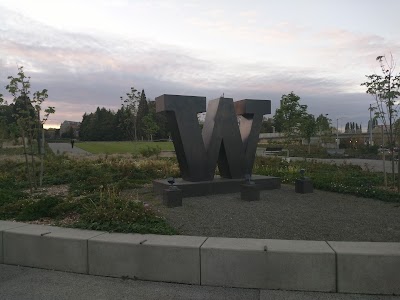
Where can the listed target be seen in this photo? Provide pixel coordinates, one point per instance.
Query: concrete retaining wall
(366, 267)
(348, 267)
(268, 264)
(148, 257)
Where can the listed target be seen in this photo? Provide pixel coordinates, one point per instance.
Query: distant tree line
(135, 120)
(352, 127)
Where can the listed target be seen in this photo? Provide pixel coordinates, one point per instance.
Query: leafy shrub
(12, 180)
(30, 209)
(10, 195)
(112, 213)
(149, 151)
(68, 206)
(346, 179)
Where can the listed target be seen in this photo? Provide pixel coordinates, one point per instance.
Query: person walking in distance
(72, 143)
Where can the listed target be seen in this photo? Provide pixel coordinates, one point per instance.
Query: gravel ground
(284, 214)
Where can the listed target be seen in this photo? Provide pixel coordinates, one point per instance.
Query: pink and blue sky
(89, 53)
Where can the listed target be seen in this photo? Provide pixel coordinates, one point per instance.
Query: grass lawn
(121, 147)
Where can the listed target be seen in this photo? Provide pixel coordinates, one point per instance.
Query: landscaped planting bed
(113, 193)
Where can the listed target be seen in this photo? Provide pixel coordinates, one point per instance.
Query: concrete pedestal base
(249, 192)
(172, 197)
(304, 186)
(217, 186)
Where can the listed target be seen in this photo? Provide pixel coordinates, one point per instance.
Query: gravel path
(283, 214)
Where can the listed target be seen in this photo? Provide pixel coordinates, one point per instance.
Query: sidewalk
(371, 164)
(60, 148)
(20, 283)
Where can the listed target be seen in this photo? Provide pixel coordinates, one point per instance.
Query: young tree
(290, 115)
(150, 126)
(323, 124)
(28, 120)
(38, 99)
(131, 108)
(143, 110)
(308, 128)
(385, 90)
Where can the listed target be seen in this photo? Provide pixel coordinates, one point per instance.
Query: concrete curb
(347, 267)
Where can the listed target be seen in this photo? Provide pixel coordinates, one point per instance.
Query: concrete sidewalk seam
(336, 266)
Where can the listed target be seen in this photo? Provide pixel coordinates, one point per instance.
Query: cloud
(83, 71)
(354, 51)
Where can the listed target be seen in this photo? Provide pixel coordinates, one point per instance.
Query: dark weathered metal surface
(181, 112)
(216, 186)
(251, 112)
(222, 142)
(222, 139)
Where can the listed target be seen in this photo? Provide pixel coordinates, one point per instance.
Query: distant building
(66, 127)
(52, 133)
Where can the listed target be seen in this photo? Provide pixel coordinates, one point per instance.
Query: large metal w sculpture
(224, 141)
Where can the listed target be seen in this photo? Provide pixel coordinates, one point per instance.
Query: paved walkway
(60, 148)
(371, 164)
(20, 283)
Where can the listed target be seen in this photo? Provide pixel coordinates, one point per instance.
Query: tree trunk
(383, 160)
(30, 140)
(398, 171)
(384, 169)
(28, 171)
(41, 159)
(391, 144)
(135, 133)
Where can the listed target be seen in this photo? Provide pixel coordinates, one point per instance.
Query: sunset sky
(89, 53)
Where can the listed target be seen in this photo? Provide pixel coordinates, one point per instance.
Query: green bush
(149, 151)
(12, 181)
(346, 179)
(110, 212)
(30, 209)
(68, 206)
